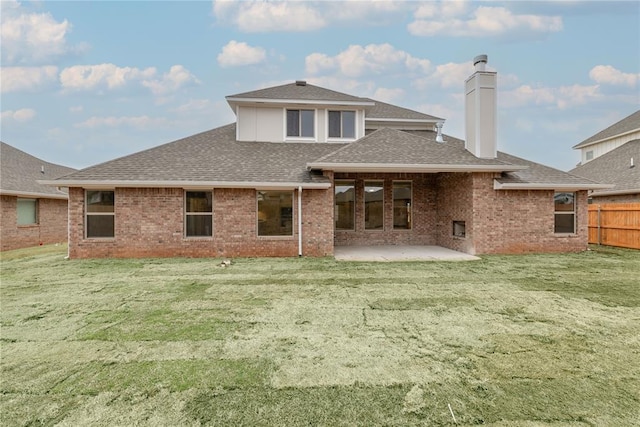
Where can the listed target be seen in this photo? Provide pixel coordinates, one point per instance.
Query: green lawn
(508, 341)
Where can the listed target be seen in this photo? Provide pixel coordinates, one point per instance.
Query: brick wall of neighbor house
(521, 221)
(423, 230)
(51, 227)
(150, 221)
(622, 198)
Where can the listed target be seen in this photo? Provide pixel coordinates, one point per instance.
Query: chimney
(481, 111)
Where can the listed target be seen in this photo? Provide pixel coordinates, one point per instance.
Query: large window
(344, 205)
(199, 214)
(301, 123)
(275, 213)
(373, 205)
(402, 205)
(565, 213)
(27, 211)
(342, 124)
(100, 214)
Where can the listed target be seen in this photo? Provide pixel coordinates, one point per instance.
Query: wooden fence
(615, 224)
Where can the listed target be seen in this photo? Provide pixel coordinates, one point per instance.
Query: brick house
(32, 214)
(306, 168)
(611, 156)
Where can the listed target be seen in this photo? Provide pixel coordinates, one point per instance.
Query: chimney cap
(301, 82)
(480, 58)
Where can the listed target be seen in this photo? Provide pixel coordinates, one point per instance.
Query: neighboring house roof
(615, 168)
(382, 110)
(299, 92)
(628, 124)
(211, 159)
(19, 173)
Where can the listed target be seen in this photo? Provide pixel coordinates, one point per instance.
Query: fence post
(599, 235)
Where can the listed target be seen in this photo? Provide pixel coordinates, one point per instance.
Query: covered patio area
(390, 253)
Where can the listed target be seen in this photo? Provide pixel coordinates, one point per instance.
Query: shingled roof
(382, 110)
(615, 168)
(299, 91)
(19, 173)
(628, 124)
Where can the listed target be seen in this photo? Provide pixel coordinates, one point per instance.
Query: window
(373, 205)
(402, 205)
(589, 155)
(300, 123)
(342, 124)
(565, 213)
(199, 214)
(100, 214)
(27, 211)
(275, 213)
(344, 214)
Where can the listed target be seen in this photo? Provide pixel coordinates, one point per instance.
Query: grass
(530, 340)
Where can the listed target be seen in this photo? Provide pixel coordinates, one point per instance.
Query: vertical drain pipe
(300, 220)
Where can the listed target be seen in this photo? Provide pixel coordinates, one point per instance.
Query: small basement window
(459, 229)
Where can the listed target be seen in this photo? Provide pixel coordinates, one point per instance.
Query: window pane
(564, 223)
(100, 225)
(345, 205)
(293, 122)
(199, 225)
(373, 206)
(307, 123)
(199, 201)
(275, 213)
(402, 205)
(334, 124)
(348, 124)
(100, 201)
(564, 202)
(27, 212)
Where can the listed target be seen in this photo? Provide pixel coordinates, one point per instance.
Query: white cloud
(32, 37)
(192, 105)
(561, 97)
(357, 60)
(138, 122)
(263, 16)
(14, 79)
(239, 53)
(452, 19)
(76, 109)
(606, 74)
(21, 116)
(110, 76)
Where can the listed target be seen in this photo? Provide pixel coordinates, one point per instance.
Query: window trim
(344, 182)
(341, 137)
(393, 205)
(36, 208)
(186, 214)
(364, 204)
(574, 212)
(301, 138)
(293, 217)
(87, 214)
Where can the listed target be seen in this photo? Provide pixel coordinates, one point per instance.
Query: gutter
(300, 221)
(616, 192)
(195, 185)
(416, 168)
(61, 195)
(497, 185)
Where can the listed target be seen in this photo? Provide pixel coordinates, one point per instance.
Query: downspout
(300, 220)
(68, 224)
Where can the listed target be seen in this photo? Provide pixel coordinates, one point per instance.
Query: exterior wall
(51, 227)
(605, 146)
(521, 221)
(621, 198)
(149, 222)
(423, 230)
(455, 203)
(260, 124)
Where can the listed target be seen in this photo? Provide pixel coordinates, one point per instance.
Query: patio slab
(399, 253)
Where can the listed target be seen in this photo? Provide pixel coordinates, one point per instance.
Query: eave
(587, 144)
(547, 186)
(33, 195)
(412, 168)
(192, 185)
(280, 101)
(615, 192)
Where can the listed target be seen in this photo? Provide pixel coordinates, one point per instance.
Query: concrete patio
(399, 253)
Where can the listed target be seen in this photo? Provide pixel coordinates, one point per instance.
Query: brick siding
(51, 227)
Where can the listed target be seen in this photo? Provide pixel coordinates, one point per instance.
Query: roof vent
(301, 82)
(42, 169)
(632, 164)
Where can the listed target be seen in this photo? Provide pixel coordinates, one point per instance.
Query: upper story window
(342, 124)
(589, 155)
(301, 123)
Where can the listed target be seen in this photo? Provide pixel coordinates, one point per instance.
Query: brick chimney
(481, 111)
